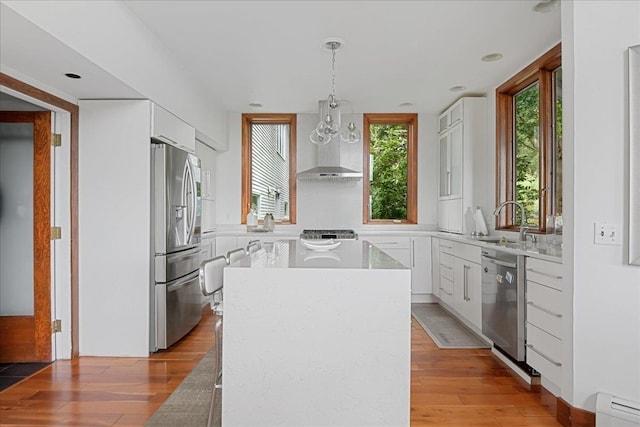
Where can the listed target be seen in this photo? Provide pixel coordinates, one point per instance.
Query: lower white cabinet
(421, 281)
(435, 266)
(460, 280)
(467, 292)
(415, 253)
(225, 244)
(545, 316)
(397, 247)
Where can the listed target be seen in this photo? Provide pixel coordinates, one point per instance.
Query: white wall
(114, 228)
(606, 291)
(327, 204)
(108, 34)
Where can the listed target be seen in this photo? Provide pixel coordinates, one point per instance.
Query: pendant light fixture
(330, 123)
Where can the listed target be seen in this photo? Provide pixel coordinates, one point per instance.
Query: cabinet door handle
(413, 252)
(533, 304)
(544, 356)
(466, 283)
(448, 267)
(443, 290)
(542, 273)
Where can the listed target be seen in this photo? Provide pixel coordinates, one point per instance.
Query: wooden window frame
(411, 120)
(541, 71)
(273, 119)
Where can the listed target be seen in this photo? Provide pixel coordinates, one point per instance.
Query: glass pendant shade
(330, 116)
(350, 134)
(318, 138)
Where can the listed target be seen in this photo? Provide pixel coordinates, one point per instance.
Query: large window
(390, 168)
(268, 166)
(529, 143)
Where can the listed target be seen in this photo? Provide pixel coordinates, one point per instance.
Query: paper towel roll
(481, 226)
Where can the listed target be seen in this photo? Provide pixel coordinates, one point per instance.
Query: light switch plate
(607, 234)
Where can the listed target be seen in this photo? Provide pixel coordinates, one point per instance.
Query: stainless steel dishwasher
(503, 301)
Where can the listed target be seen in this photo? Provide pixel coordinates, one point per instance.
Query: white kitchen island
(317, 338)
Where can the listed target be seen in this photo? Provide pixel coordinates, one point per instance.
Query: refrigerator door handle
(188, 196)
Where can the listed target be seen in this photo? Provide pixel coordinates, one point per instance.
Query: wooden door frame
(73, 110)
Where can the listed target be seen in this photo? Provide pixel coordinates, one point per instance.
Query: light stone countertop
(540, 250)
(292, 254)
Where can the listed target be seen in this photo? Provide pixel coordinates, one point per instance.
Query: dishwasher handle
(498, 261)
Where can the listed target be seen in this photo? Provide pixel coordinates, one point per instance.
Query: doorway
(25, 252)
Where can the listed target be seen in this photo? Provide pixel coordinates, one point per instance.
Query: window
(268, 166)
(529, 143)
(390, 168)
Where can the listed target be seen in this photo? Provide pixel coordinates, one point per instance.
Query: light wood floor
(448, 388)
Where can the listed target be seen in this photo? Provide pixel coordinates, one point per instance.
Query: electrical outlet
(607, 234)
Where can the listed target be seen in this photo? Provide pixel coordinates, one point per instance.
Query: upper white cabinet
(170, 129)
(451, 117)
(462, 153)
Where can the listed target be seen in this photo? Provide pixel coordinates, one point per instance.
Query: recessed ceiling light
(545, 6)
(72, 76)
(406, 104)
(255, 105)
(458, 88)
(492, 57)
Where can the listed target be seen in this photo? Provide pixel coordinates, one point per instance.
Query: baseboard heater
(612, 411)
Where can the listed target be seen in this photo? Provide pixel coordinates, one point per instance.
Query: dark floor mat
(12, 373)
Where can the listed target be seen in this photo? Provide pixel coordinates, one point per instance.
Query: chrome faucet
(523, 227)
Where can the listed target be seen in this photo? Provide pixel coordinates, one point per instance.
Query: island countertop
(350, 254)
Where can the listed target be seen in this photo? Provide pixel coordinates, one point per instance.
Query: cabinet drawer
(544, 353)
(469, 252)
(545, 272)
(544, 308)
(446, 246)
(446, 267)
(446, 290)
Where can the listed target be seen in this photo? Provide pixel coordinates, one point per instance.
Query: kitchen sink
(489, 239)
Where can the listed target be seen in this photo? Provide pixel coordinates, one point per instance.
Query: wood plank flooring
(448, 388)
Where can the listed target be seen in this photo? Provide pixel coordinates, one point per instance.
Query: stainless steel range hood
(335, 173)
(331, 159)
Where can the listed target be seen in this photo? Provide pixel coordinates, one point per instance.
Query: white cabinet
(421, 282)
(451, 163)
(545, 318)
(207, 251)
(467, 290)
(435, 266)
(450, 117)
(460, 281)
(394, 246)
(445, 250)
(225, 244)
(170, 129)
(415, 253)
(208, 158)
(462, 153)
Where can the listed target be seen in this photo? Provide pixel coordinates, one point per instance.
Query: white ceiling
(272, 52)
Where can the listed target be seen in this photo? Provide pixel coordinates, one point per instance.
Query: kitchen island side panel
(114, 227)
(316, 347)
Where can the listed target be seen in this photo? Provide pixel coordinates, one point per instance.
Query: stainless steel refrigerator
(176, 305)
